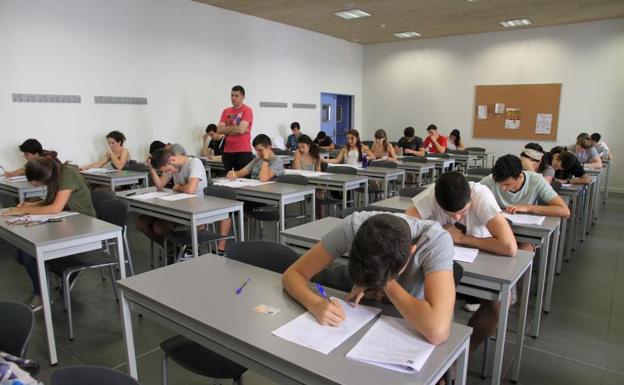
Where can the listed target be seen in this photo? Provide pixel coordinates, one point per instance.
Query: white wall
(433, 81)
(182, 55)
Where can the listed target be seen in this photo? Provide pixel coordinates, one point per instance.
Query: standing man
(434, 142)
(236, 123)
(291, 143)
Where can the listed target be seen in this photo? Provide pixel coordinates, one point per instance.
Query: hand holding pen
(327, 311)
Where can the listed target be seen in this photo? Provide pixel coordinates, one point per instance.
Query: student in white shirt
(601, 147)
(353, 152)
(454, 200)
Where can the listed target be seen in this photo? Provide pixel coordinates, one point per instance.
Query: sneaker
(35, 303)
(187, 255)
(472, 307)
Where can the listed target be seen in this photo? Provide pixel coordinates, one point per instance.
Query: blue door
(343, 118)
(328, 114)
(336, 113)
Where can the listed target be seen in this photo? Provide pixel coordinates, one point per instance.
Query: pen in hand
(321, 291)
(240, 289)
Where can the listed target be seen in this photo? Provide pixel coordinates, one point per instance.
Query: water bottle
(364, 161)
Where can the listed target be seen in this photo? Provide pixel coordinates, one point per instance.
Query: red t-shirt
(430, 147)
(231, 117)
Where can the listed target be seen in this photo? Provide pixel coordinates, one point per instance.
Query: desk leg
(128, 335)
(193, 238)
(420, 175)
(21, 196)
(541, 283)
(552, 261)
(500, 335)
(145, 182)
(524, 304)
(366, 193)
(313, 206)
(344, 198)
(282, 209)
(461, 369)
(385, 192)
(562, 244)
(241, 224)
(403, 180)
(47, 315)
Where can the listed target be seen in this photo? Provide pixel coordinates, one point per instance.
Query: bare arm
(555, 208)
(595, 162)
(59, 203)
(329, 148)
(239, 129)
(119, 161)
(188, 188)
(97, 164)
(432, 316)
(391, 153)
(585, 179)
(296, 164)
(338, 159)
(502, 241)
(160, 181)
(419, 152)
(438, 146)
(243, 172)
(266, 173)
(19, 171)
(205, 150)
(461, 146)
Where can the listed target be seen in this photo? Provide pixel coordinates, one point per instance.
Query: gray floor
(581, 340)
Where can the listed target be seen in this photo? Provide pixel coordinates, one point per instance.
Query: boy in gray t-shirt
(265, 166)
(408, 260)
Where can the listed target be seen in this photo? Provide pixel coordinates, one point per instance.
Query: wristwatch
(266, 159)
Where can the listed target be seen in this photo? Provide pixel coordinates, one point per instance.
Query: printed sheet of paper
(482, 112)
(543, 124)
(237, 183)
(177, 197)
(465, 254)
(98, 170)
(150, 195)
(390, 343)
(524, 219)
(19, 178)
(306, 331)
(306, 173)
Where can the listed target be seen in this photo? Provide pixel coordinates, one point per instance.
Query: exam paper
(465, 254)
(240, 182)
(306, 173)
(98, 170)
(177, 197)
(523, 219)
(19, 178)
(306, 331)
(150, 195)
(390, 343)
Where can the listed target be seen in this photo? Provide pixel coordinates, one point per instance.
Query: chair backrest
(457, 152)
(383, 163)
(368, 143)
(475, 149)
(224, 192)
(97, 197)
(114, 211)
(419, 159)
(484, 171)
(458, 273)
(16, 327)
(90, 375)
(436, 155)
(133, 165)
(266, 255)
(278, 151)
(411, 191)
(342, 170)
(556, 185)
(395, 144)
(292, 179)
(474, 178)
(324, 166)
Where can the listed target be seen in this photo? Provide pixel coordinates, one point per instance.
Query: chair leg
(234, 229)
(102, 275)
(128, 255)
(151, 254)
(67, 296)
(112, 271)
(165, 371)
(486, 346)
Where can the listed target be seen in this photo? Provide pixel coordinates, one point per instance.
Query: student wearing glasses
(117, 155)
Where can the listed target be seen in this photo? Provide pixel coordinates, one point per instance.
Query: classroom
(311, 192)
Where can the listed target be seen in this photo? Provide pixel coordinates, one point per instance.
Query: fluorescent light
(515, 23)
(352, 14)
(405, 35)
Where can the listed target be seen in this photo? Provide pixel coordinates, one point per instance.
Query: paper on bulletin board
(543, 124)
(512, 118)
(482, 112)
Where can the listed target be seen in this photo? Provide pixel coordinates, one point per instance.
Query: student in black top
(324, 141)
(567, 167)
(410, 143)
(213, 142)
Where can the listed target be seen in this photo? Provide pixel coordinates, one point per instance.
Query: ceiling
(430, 18)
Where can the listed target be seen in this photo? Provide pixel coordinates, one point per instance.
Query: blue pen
(322, 291)
(238, 291)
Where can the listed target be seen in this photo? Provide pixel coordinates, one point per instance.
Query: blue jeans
(30, 263)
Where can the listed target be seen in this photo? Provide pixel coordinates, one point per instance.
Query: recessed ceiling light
(405, 35)
(515, 23)
(352, 14)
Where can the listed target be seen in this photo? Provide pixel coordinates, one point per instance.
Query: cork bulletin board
(535, 105)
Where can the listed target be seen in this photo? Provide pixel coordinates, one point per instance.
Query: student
(324, 141)
(381, 149)
(455, 142)
(116, 155)
(410, 143)
(533, 159)
(265, 166)
(410, 261)
(188, 176)
(585, 152)
(518, 191)
(567, 167)
(353, 152)
(213, 142)
(291, 142)
(236, 123)
(454, 200)
(434, 142)
(65, 189)
(176, 148)
(307, 156)
(601, 147)
(31, 149)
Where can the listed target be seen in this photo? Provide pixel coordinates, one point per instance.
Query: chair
(99, 196)
(278, 151)
(113, 211)
(438, 155)
(90, 375)
(184, 237)
(383, 163)
(375, 190)
(17, 326)
(333, 199)
(480, 171)
(133, 165)
(414, 158)
(457, 152)
(271, 214)
(475, 149)
(411, 191)
(196, 358)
